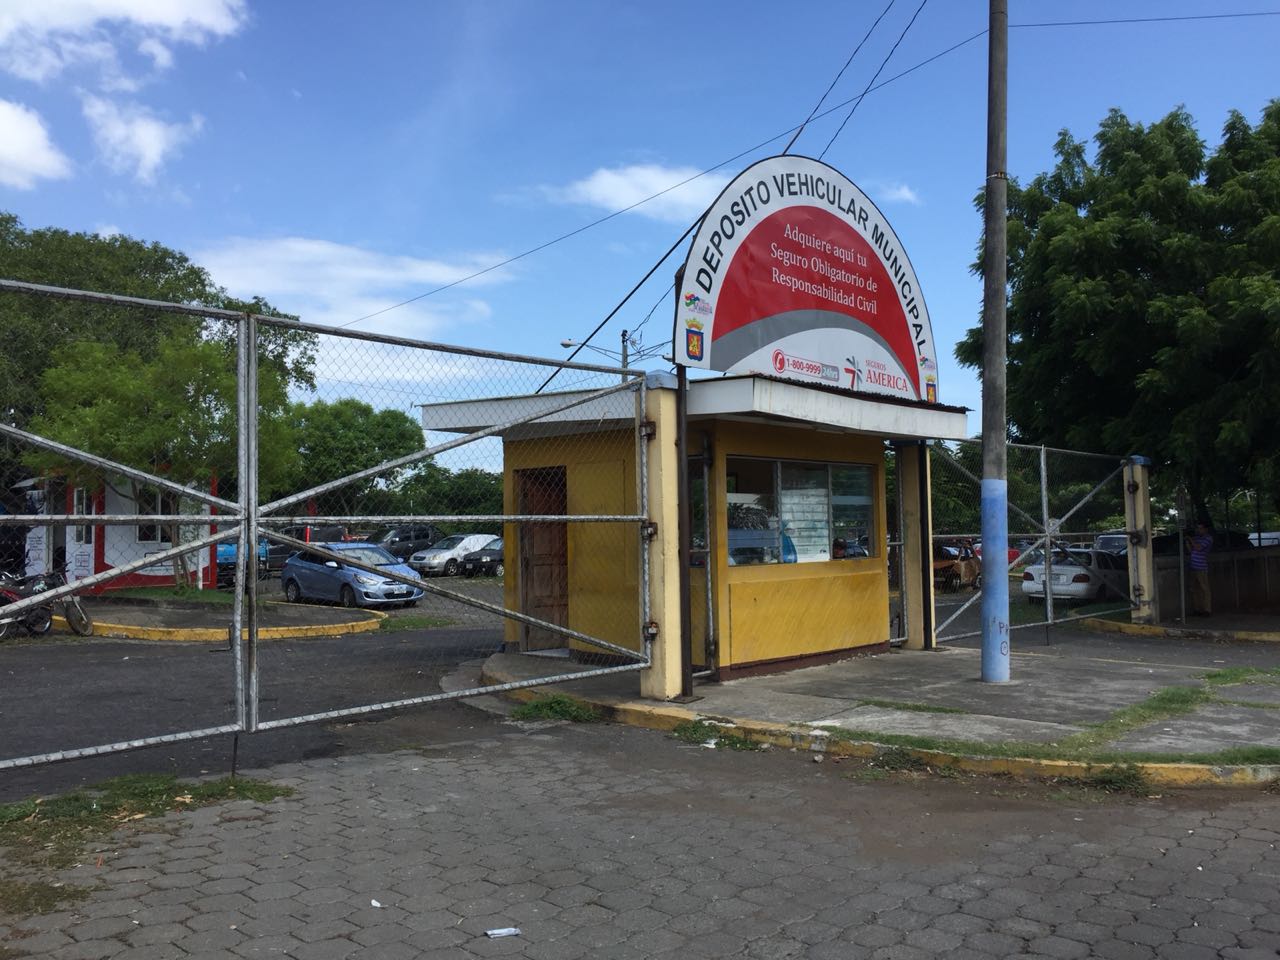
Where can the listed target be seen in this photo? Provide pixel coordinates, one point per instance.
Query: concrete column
(661, 680)
(917, 536)
(1143, 594)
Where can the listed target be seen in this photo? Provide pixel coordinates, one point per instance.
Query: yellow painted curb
(1153, 630)
(666, 717)
(219, 634)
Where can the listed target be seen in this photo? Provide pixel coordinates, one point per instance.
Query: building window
(158, 503)
(82, 533)
(796, 512)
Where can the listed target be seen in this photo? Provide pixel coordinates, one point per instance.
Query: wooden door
(544, 556)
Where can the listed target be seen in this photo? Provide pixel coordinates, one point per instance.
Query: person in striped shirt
(1201, 543)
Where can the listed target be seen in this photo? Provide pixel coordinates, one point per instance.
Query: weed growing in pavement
(51, 833)
(907, 705)
(414, 622)
(1229, 676)
(700, 732)
(556, 707)
(899, 759)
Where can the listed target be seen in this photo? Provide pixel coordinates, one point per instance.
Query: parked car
(1113, 541)
(1081, 575)
(955, 565)
(445, 557)
(486, 561)
(1012, 550)
(309, 576)
(226, 561)
(404, 541)
(278, 553)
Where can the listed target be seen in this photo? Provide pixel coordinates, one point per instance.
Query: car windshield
(373, 556)
(448, 543)
(494, 544)
(382, 535)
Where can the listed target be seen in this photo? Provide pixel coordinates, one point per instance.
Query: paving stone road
(609, 842)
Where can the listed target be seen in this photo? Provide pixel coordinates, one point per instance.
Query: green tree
(338, 438)
(172, 414)
(1144, 309)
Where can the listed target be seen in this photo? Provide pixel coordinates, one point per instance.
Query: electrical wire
(817, 106)
(778, 136)
(883, 63)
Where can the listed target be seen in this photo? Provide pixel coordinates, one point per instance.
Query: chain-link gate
(1067, 556)
(365, 512)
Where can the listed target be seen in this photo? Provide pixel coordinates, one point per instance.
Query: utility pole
(626, 336)
(995, 467)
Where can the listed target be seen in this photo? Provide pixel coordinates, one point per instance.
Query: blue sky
(339, 158)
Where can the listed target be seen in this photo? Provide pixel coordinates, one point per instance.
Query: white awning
(746, 397)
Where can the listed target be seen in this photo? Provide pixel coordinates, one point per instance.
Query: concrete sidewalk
(1059, 694)
(210, 622)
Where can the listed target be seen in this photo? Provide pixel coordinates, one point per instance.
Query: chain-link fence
(366, 513)
(1067, 554)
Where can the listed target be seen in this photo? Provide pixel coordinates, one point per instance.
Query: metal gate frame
(1047, 529)
(246, 514)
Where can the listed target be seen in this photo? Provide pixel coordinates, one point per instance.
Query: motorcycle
(36, 620)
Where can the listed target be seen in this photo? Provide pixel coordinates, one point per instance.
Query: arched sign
(795, 273)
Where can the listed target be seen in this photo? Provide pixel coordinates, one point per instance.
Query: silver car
(444, 558)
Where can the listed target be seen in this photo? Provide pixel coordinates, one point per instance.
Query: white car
(1080, 575)
(445, 556)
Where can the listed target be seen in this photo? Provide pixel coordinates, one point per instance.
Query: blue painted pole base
(995, 581)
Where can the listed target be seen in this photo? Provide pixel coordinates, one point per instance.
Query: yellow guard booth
(789, 514)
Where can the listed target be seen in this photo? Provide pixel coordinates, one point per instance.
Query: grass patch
(214, 598)
(412, 622)
(700, 733)
(52, 833)
(1120, 778)
(899, 759)
(556, 707)
(907, 705)
(1230, 676)
(28, 898)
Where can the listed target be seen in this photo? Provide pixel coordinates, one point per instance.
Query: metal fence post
(1048, 533)
(249, 499)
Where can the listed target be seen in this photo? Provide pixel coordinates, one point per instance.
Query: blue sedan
(309, 576)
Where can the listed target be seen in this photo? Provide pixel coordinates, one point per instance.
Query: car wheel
(470, 572)
(292, 593)
(451, 568)
(348, 596)
(499, 569)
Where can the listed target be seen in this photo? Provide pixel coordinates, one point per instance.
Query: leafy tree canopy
(342, 437)
(1144, 310)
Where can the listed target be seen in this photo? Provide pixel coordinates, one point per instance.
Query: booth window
(80, 505)
(157, 502)
(795, 512)
(752, 505)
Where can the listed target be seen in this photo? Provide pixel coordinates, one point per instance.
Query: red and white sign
(794, 272)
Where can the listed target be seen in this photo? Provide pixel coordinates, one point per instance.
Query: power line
(643, 280)
(1194, 16)
(818, 105)
(778, 136)
(883, 64)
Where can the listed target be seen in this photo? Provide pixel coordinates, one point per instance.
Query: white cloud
(27, 154)
(619, 187)
(131, 138)
(108, 230)
(39, 39)
(898, 193)
(160, 55)
(333, 283)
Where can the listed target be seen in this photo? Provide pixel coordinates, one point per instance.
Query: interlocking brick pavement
(605, 842)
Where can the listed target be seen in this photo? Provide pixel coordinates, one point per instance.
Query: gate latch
(648, 429)
(651, 630)
(649, 529)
